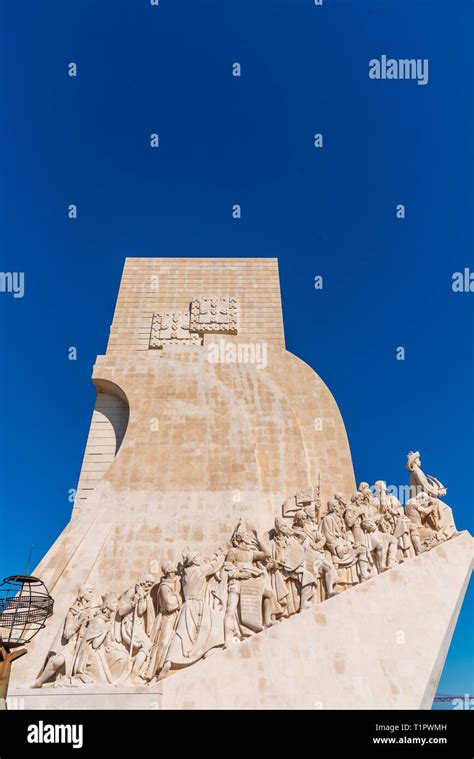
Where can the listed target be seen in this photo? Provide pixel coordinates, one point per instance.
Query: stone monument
(219, 554)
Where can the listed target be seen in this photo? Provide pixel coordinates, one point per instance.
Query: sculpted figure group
(209, 602)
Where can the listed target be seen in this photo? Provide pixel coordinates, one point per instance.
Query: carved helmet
(412, 456)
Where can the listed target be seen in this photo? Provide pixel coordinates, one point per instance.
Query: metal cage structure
(25, 605)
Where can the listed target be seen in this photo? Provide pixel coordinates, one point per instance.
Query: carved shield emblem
(214, 315)
(251, 603)
(293, 556)
(171, 328)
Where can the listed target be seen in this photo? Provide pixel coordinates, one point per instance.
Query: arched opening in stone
(107, 431)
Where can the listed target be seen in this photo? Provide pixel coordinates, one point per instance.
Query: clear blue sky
(247, 140)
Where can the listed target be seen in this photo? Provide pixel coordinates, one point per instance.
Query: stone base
(141, 697)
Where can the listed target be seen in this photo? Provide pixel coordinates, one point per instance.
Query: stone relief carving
(441, 518)
(135, 618)
(170, 328)
(169, 602)
(210, 602)
(206, 315)
(218, 315)
(100, 656)
(199, 625)
(61, 661)
(309, 498)
(249, 595)
(350, 559)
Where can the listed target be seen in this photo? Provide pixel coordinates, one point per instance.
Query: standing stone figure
(341, 502)
(364, 494)
(363, 519)
(61, 659)
(312, 513)
(443, 520)
(397, 522)
(136, 616)
(354, 516)
(317, 562)
(199, 626)
(293, 585)
(169, 603)
(389, 542)
(387, 506)
(250, 598)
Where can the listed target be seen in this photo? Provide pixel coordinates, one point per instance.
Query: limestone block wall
(158, 284)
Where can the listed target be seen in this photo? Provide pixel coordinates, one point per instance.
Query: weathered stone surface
(86, 698)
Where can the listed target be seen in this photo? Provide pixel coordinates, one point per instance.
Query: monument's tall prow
(201, 417)
(217, 500)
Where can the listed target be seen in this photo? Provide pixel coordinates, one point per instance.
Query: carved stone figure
(250, 598)
(341, 502)
(362, 518)
(61, 659)
(312, 512)
(317, 562)
(101, 657)
(136, 616)
(199, 627)
(364, 494)
(419, 510)
(349, 557)
(397, 522)
(443, 520)
(387, 506)
(217, 583)
(169, 602)
(304, 527)
(353, 517)
(293, 585)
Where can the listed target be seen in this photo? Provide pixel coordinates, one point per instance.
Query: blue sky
(247, 140)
